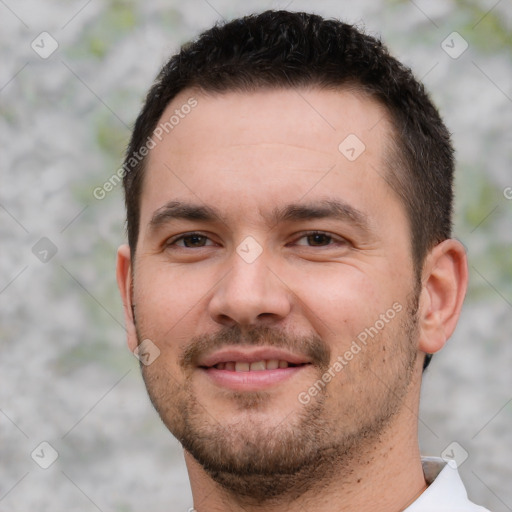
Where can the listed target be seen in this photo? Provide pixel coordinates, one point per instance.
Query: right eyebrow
(186, 211)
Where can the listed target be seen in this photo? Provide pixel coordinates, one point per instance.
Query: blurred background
(72, 79)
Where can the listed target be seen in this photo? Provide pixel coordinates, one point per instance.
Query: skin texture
(354, 443)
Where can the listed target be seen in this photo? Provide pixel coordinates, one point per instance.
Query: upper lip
(251, 355)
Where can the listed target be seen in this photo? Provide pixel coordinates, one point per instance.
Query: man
(290, 269)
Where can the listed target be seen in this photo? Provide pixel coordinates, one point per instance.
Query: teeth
(272, 364)
(257, 366)
(241, 367)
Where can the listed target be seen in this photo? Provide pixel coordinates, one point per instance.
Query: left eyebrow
(324, 209)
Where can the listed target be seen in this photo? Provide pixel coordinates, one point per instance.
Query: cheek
(169, 299)
(343, 300)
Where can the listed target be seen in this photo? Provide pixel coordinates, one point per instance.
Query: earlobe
(444, 284)
(124, 282)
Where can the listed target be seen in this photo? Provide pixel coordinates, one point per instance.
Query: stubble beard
(258, 464)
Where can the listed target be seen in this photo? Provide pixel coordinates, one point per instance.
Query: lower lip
(251, 381)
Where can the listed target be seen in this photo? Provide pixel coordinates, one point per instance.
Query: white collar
(445, 491)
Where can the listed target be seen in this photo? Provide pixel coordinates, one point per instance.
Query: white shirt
(445, 491)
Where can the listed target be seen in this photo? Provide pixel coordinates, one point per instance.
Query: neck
(387, 476)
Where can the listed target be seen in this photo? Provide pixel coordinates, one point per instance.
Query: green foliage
(480, 199)
(117, 20)
(486, 29)
(110, 136)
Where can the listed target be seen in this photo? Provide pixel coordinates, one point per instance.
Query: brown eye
(194, 241)
(319, 239)
(191, 241)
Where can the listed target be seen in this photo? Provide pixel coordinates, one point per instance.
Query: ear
(124, 282)
(444, 284)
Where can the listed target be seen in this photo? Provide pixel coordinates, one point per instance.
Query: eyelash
(306, 234)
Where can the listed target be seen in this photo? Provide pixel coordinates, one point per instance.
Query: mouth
(252, 370)
(256, 366)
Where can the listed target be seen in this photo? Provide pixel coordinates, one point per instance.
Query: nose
(250, 294)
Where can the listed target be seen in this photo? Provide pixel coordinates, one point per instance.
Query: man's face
(270, 249)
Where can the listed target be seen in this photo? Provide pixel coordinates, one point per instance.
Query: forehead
(259, 147)
(312, 119)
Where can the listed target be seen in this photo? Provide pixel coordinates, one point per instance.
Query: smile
(257, 366)
(253, 369)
